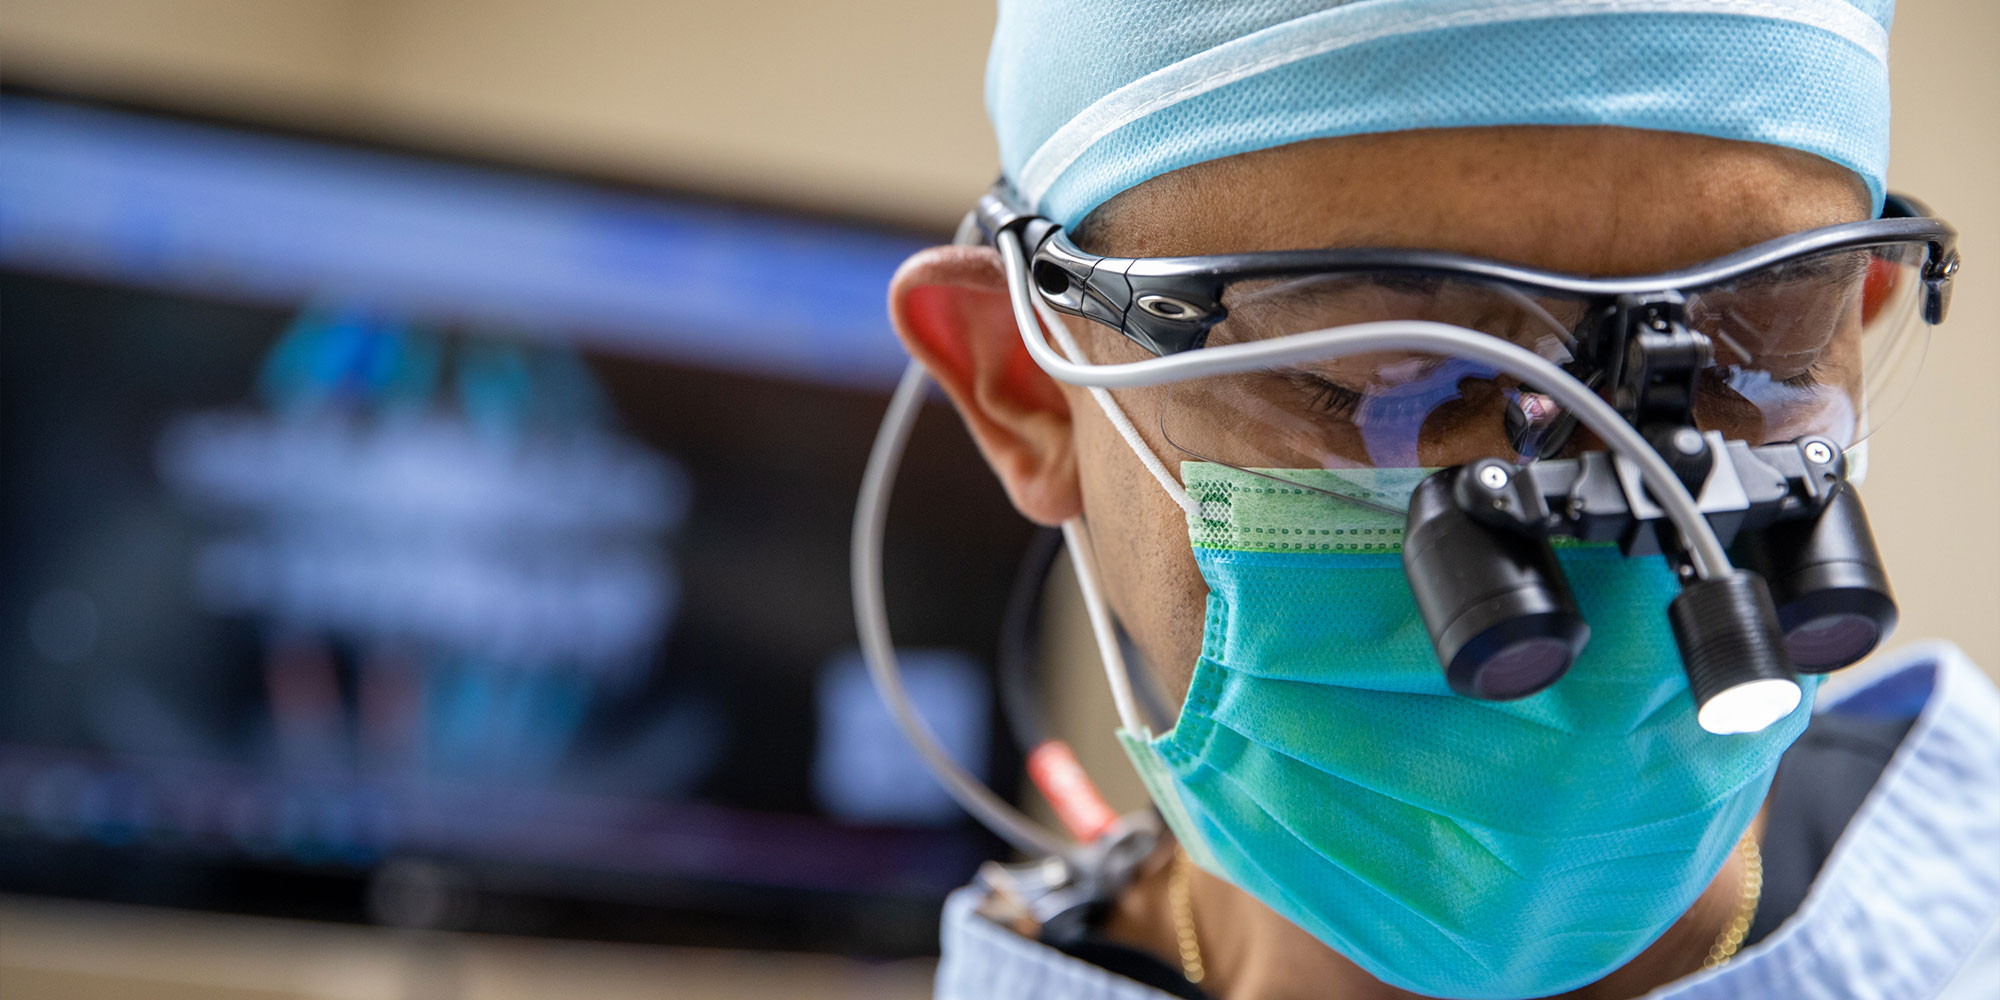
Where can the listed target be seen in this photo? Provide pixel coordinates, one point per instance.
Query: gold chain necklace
(1731, 937)
(1181, 901)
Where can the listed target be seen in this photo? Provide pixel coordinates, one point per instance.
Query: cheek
(1148, 568)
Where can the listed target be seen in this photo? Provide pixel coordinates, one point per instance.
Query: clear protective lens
(1824, 344)
(1371, 411)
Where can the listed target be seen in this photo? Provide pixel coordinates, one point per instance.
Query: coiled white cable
(871, 620)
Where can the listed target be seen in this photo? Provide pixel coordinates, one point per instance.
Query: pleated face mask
(1447, 845)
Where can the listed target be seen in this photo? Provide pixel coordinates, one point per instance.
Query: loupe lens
(1520, 668)
(1826, 576)
(1834, 638)
(1498, 610)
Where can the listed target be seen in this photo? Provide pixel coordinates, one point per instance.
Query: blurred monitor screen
(386, 537)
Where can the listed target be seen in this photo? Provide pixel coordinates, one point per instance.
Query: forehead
(1593, 199)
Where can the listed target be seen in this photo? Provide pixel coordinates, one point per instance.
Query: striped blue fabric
(1906, 908)
(1090, 98)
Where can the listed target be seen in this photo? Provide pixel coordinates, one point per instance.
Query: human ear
(950, 308)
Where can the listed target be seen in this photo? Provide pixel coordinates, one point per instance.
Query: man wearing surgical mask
(1347, 820)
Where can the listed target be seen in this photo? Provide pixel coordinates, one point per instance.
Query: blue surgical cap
(1090, 97)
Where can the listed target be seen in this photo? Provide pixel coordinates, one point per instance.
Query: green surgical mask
(1447, 845)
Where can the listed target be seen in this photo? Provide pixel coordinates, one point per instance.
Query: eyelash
(1809, 378)
(1329, 398)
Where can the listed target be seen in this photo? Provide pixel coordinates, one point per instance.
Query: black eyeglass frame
(1167, 305)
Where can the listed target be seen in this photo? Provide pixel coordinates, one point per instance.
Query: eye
(1807, 379)
(1330, 398)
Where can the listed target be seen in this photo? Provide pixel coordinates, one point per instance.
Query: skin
(1596, 200)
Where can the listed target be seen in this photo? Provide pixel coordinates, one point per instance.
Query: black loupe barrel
(1826, 576)
(1498, 610)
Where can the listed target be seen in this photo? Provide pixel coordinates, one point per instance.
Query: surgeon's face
(1594, 200)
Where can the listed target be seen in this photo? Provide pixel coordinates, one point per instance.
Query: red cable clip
(1077, 802)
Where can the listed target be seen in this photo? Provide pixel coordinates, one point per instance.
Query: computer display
(386, 537)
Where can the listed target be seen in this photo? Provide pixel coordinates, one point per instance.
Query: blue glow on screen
(130, 198)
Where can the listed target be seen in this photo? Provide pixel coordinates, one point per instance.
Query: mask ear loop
(1076, 538)
(1076, 535)
(1052, 322)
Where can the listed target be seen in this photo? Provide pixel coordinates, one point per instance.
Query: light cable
(871, 620)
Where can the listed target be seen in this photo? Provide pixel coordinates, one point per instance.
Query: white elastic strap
(1116, 413)
(1076, 538)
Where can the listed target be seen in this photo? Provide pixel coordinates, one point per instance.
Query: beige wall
(875, 107)
(1934, 481)
(870, 106)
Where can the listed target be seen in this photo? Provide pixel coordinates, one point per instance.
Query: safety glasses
(1819, 332)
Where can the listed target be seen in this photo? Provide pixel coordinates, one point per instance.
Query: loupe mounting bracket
(1643, 348)
(1597, 497)
(1808, 595)
(1653, 359)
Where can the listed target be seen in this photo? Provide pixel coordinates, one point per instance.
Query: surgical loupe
(1815, 596)
(1806, 591)
(1811, 594)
